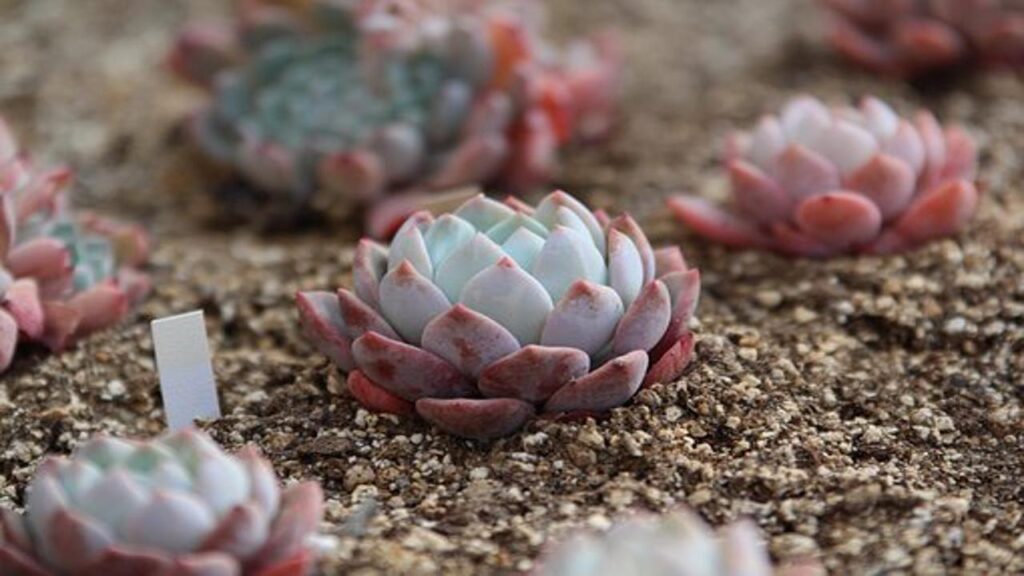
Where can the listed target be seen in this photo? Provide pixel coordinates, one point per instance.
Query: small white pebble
(955, 325)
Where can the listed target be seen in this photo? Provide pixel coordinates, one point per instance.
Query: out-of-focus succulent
(677, 544)
(819, 182)
(913, 37)
(479, 318)
(335, 102)
(62, 275)
(174, 506)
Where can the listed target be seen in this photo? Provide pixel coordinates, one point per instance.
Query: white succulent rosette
(174, 506)
(676, 544)
(818, 181)
(480, 318)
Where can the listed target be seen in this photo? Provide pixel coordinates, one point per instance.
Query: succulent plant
(62, 275)
(332, 103)
(479, 318)
(174, 506)
(818, 182)
(676, 544)
(909, 38)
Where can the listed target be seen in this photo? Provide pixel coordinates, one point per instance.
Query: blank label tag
(187, 383)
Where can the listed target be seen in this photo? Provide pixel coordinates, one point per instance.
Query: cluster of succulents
(332, 103)
(909, 38)
(174, 506)
(677, 544)
(818, 182)
(478, 319)
(63, 274)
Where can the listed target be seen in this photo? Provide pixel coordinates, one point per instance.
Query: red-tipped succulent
(819, 182)
(480, 318)
(909, 38)
(333, 103)
(174, 506)
(62, 275)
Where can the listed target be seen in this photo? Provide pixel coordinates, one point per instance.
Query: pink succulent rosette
(174, 506)
(483, 317)
(909, 38)
(62, 275)
(335, 103)
(819, 182)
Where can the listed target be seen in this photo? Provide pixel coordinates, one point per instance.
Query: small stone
(673, 413)
(115, 388)
(955, 325)
(336, 382)
(700, 497)
(535, 440)
(358, 475)
(768, 298)
(582, 456)
(591, 437)
(748, 354)
(599, 522)
(803, 315)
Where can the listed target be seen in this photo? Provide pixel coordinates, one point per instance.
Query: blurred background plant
(675, 544)
(63, 274)
(910, 38)
(332, 104)
(817, 181)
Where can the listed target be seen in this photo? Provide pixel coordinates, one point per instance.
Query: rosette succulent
(480, 318)
(913, 37)
(174, 506)
(62, 275)
(817, 182)
(677, 544)
(332, 103)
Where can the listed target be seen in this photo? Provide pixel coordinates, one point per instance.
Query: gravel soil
(864, 411)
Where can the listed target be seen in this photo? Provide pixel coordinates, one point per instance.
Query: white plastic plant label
(187, 382)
